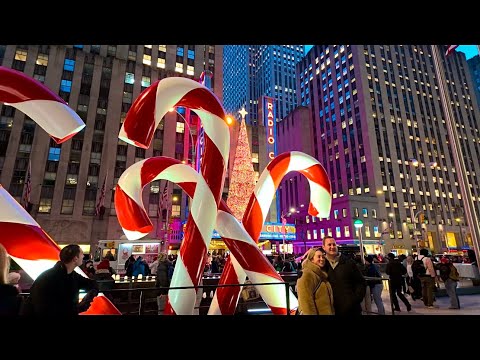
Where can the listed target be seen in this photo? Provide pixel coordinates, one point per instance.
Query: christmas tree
(242, 181)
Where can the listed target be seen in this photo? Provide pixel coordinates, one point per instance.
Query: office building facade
(99, 82)
(474, 66)
(378, 128)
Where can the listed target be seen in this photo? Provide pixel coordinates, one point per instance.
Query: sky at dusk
(469, 50)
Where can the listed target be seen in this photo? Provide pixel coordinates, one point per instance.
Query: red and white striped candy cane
(138, 129)
(24, 240)
(130, 209)
(225, 301)
(38, 102)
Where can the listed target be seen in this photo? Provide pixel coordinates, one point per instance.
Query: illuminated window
(344, 212)
(329, 231)
(69, 65)
(72, 179)
(21, 55)
(45, 206)
(255, 158)
(66, 86)
(190, 70)
(161, 63)
(314, 234)
(162, 48)
(129, 78)
(148, 46)
(146, 81)
(147, 59)
(346, 230)
(42, 59)
(365, 212)
(179, 67)
(367, 231)
(335, 214)
(180, 127)
(338, 233)
(54, 154)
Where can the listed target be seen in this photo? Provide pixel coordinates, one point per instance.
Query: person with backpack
(449, 275)
(425, 270)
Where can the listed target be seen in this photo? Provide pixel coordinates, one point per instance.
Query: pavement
(469, 303)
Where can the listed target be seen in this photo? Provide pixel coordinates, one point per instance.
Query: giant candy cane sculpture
(225, 301)
(138, 129)
(23, 238)
(129, 205)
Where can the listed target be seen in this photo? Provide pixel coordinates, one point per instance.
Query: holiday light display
(242, 178)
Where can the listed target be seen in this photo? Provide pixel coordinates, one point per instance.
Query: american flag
(450, 49)
(101, 199)
(28, 186)
(162, 201)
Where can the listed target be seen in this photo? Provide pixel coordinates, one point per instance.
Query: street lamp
(284, 223)
(358, 224)
(459, 221)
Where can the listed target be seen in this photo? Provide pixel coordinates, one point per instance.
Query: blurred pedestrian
(450, 276)
(376, 286)
(396, 271)
(347, 281)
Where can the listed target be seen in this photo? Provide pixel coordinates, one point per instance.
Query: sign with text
(269, 116)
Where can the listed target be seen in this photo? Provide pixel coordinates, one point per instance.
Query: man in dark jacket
(55, 291)
(347, 281)
(396, 271)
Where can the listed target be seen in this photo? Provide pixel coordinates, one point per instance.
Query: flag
(27, 189)
(162, 202)
(450, 49)
(101, 199)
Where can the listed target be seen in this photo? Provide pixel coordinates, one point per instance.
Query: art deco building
(100, 82)
(376, 123)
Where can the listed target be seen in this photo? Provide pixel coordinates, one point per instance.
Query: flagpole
(457, 152)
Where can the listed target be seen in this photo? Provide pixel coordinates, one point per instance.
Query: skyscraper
(379, 130)
(99, 82)
(257, 77)
(252, 71)
(474, 66)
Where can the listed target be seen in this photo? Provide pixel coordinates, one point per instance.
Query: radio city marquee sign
(271, 231)
(269, 120)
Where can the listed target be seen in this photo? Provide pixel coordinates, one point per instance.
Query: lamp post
(358, 224)
(284, 223)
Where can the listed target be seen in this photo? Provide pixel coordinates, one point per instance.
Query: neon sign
(269, 121)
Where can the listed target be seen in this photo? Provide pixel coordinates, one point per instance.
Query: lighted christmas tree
(242, 182)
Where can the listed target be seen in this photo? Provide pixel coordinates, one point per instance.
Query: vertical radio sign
(269, 119)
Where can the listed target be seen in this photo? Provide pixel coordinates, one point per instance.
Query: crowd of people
(329, 282)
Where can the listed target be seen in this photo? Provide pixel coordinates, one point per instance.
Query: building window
(161, 63)
(45, 206)
(344, 212)
(190, 70)
(66, 86)
(335, 214)
(175, 210)
(67, 207)
(129, 78)
(42, 59)
(338, 233)
(374, 213)
(147, 59)
(146, 81)
(162, 48)
(180, 127)
(21, 55)
(346, 231)
(355, 212)
(179, 67)
(69, 65)
(365, 212)
(54, 154)
(367, 231)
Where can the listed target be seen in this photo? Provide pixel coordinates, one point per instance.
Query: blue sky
(469, 50)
